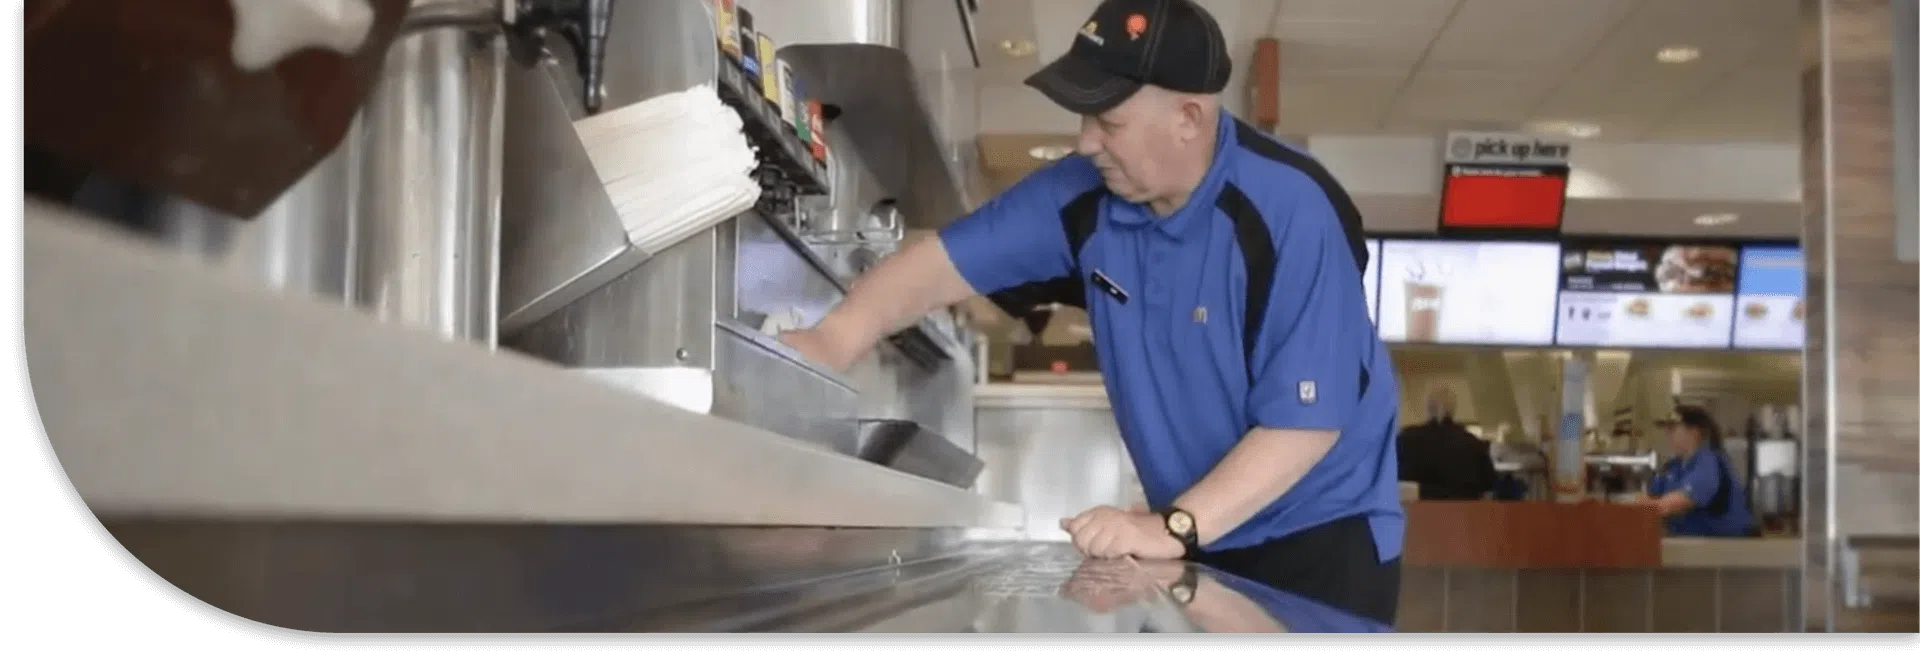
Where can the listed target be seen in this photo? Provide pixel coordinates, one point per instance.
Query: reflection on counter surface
(447, 578)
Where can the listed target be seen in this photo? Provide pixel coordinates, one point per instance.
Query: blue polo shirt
(1171, 353)
(1700, 476)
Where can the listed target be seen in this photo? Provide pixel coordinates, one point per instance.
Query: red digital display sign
(1503, 197)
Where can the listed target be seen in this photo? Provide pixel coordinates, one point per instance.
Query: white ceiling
(1426, 66)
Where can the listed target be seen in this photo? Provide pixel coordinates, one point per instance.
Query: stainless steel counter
(1049, 588)
(387, 577)
(169, 389)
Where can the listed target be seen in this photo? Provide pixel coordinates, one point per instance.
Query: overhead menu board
(1504, 182)
(1771, 309)
(1371, 278)
(1467, 292)
(1645, 294)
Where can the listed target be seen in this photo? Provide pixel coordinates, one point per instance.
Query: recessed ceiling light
(1017, 47)
(1050, 152)
(1677, 54)
(1570, 129)
(1713, 220)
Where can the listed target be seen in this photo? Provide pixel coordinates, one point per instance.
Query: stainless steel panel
(429, 198)
(772, 277)
(429, 577)
(939, 40)
(326, 413)
(939, 398)
(687, 388)
(300, 243)
(362, 577)
(760, 382)
(1055, 462)
(872, 22)
(560, 238)
(892, 131)
(658, 314)
(846, 215)
(859, 55)
(563, 238)
(653, 47)
(907, 446)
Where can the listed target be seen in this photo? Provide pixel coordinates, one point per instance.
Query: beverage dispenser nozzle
(584, 24)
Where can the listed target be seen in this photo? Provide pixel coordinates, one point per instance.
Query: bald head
(1155, 147)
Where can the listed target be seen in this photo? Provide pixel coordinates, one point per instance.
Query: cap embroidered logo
(1092, 32)
(1136, 26)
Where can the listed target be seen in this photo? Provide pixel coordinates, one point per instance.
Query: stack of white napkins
(675, 165)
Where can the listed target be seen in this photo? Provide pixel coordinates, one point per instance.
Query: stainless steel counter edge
(170, 389)
(1750, 553)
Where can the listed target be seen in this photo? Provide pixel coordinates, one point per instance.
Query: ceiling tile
(1315, 60)
(1495, 64)
(1469, 95)
(1624, 78)
(1367, 11)
(1334, 104)
(1755, 103)
(1396, 36)
(1538, 36)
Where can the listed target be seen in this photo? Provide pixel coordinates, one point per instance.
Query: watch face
(1180, 523)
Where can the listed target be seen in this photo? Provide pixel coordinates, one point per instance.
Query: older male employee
(1222, 274)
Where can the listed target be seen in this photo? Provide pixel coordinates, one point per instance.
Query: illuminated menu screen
(1771, 309)
(1647, 294)
(1371, 277)
(1467, 292)
(1503, 197)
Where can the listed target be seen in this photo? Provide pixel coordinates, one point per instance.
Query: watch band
(1181, 525)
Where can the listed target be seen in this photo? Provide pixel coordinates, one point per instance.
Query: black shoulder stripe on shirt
(1078, 219)
(1256, 248)
(1252, 140)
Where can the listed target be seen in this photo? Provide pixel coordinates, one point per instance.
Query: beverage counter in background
(1472, 566)
(1485, 566)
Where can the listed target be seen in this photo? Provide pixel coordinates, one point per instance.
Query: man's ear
(1195, 113)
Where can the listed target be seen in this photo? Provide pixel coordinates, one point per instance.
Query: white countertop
(167, 388)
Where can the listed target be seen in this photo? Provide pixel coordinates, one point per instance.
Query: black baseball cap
(1128, 44)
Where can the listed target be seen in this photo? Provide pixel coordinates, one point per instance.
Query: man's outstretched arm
(902, 288)
(1014, 238)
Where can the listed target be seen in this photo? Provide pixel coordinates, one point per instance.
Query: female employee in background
(1697, 491)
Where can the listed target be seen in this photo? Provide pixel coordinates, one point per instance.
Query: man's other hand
(1106, 532)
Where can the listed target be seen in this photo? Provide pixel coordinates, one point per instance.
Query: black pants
(1335, 564)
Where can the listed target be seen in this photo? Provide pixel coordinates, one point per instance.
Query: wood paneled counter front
(1531, 534)
(1492, 566)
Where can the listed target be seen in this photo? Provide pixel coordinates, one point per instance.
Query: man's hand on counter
(1106, 532)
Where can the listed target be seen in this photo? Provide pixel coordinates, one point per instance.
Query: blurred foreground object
(226, 103)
